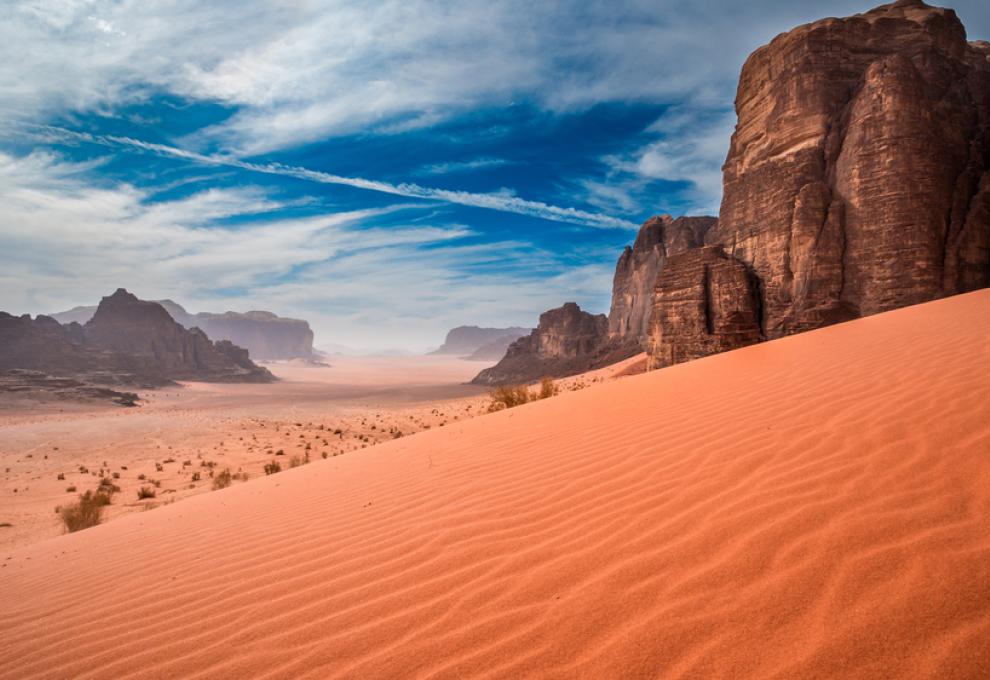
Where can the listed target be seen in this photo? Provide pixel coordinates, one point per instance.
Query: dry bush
(84, 513)
(146, 492)
(272, 468)
(507, 396)
(223, 479)
(547, 388)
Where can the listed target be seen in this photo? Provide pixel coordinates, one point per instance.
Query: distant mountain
(479, 343)
(126, 342)
(265, 335)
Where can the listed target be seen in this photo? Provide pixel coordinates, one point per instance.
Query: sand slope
(817, 506)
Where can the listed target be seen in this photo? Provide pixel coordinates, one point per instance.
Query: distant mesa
(127, 342)
(265, 335)
(567, 340)
(857, 181)
(482, 344)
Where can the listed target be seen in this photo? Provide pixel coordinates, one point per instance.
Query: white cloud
(688, 145)
(302, 71)
(368, 286)
(504, 201)
(462, 166)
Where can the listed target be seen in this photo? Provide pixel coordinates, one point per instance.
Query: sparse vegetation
(508, 396)
(86, 512)
(146, 492)
(547, 388)
(272, 468)
(223, 479)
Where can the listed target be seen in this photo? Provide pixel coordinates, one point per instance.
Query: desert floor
(205, 428)
(813, 507)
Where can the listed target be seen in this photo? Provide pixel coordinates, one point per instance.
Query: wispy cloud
(72, 242)
(503, 201)
(686, 145)
(461, 166)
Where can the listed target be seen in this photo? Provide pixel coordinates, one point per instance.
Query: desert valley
(770, 458)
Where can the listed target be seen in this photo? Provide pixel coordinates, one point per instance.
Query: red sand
(817, 506)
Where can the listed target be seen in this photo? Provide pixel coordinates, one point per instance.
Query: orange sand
(817, 506)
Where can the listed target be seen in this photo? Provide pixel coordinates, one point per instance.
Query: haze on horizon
(385, 172)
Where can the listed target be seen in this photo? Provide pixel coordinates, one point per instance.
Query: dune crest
(812, 507)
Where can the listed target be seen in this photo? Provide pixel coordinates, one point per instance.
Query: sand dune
(813, 507)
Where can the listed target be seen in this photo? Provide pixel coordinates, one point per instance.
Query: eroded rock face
(567, 340)
(124, 324)
(705, 302)
(856, 181)
(637, 269)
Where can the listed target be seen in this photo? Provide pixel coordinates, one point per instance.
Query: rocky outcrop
(265, 335)
(43, 345)
(127, 342)
(857, 177)
(637, 269)
(705, 302)
(566, 341)
(467, 341)
(123, 323)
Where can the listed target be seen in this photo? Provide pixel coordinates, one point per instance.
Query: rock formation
(705, 302)
(637, 269)
(127, 342)
(265, 335)
(566, 341)
(857, 178)
(466, 341)
(125, 324)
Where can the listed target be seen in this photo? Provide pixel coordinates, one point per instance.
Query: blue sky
(384, 170)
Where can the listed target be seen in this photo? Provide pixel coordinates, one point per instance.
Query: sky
(384, 170)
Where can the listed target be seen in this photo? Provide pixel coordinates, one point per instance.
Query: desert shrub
(196, 477)
(84, 513)
(507, 396)
(223, 479)
(272, 468)
(61, 476)
(547, 388)
(70, 489)
(296, 461)
(107, 487)
(146, 492)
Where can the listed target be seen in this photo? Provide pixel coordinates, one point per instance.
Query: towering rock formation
(857, 179)
(637, 269)
(566, 341)
(468, 341)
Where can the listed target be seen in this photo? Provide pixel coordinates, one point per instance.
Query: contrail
(496, 201)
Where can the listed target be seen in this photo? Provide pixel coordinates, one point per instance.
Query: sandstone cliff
(637, 269)
(857, 178)
(566, 341)
(705, 302)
